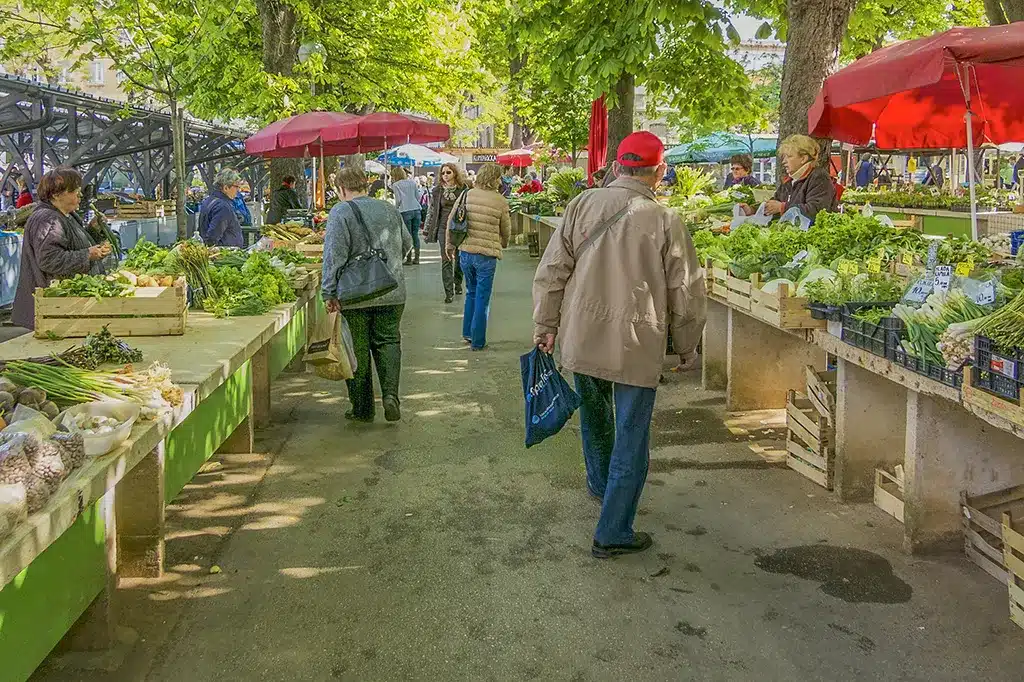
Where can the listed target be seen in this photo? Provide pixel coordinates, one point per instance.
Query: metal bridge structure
(45, 126)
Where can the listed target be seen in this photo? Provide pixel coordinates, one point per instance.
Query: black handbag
(458, 223)
(366, 275)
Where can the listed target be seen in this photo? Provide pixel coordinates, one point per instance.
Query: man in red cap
(617, 274)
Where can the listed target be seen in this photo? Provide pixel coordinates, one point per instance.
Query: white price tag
(943, 277)
(797, 259)
(985, 294)
(919, 292)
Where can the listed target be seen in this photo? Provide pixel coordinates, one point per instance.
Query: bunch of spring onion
(1006, 325)
(925, 325)
(67, 385)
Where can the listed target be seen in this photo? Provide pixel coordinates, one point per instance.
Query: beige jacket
(615, 305)
(489, 223)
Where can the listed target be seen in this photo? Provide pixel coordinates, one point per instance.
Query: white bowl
(96, 445)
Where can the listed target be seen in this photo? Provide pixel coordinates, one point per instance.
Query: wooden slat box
(152, 311)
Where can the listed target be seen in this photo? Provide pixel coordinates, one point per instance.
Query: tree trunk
(994, 12)
(1014, 10)
(815, 34)
(178, 156)
(515, 65)
(620, 118)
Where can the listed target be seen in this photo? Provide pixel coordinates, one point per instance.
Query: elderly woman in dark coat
(56, 244)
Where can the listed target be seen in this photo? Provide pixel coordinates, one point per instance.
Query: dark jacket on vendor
(55, 246)
(218, 224)
(282, 200)
(812, 194)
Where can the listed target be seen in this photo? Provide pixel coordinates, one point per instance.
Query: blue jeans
(479, 272)
(616, 429)
(413, 220)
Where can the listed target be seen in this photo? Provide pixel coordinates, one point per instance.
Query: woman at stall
(808, 187)
(740, 167)
(489, 229)
(355, 225)
(217, 223)
(56, 245)
(442, 199)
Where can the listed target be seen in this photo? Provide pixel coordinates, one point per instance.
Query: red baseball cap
(644, 144)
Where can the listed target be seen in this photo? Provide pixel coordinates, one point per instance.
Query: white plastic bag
(794, 216)
(740, 218)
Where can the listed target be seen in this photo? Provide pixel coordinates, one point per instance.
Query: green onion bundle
(67, 385)
(195, 261)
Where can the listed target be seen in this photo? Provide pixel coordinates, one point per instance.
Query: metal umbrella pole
(964, 75)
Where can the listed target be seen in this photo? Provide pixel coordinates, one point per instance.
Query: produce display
(926, 197)
(287, 231)
(91, 286)
(94, 424)
(252, 289)
(36, 465)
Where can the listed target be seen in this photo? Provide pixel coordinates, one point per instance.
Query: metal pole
(970, 176)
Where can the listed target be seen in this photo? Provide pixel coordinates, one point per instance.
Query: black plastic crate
(924, 368)
(820, 311)
(874, 338)
(997, 370)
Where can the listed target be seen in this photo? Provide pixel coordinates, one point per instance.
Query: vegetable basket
(150, 311)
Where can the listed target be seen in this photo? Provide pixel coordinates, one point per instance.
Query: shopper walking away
(443, 196)
(356, 224)
(489, 228)
(282, 200)
(56, 244)
(217, 222)
(619, 273)
(865, 172)
(24, 196)
(407, 199)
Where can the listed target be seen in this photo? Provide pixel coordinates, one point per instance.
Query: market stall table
(107, 520)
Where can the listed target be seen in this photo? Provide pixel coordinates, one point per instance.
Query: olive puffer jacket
(489, 223)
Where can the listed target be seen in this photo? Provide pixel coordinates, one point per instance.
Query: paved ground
(441, 549)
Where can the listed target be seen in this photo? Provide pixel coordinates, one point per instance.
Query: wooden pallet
(141, 209)
(152, 311)
(1013, 558)
(983, 530)
(889, 494)
(810, 443)
(821, 391)
(982, 399)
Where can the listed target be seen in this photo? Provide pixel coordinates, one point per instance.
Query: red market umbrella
(919, 93)
(597, 144)
(518, 158)
(381, 130)
(295, 136)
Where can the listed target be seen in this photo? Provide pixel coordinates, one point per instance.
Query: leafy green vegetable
(90, 286)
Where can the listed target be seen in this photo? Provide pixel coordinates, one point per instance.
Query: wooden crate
(779, 309)
(314, 251)
(889, 494)
(984, 400)
(152, 311)
(140, 209)
(718, 281)
(1013, 558)
(983, 530)
(821, 391)
(810, 443)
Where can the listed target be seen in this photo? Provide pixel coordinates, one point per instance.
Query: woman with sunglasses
(56, 244)
(442, 200)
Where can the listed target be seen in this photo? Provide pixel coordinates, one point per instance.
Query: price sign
(919, 292)
(847, 267)
(985, 294)
(874, 264)
(933, 255)
(964, 268)
(799, 258)
(943, 277)
(907, 258)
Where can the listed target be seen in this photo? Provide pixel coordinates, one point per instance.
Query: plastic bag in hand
(550, 402)
(760, 218)
(794, 216)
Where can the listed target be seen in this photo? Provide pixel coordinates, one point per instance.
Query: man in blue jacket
(218, 225)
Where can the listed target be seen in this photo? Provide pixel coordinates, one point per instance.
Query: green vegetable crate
(151, 311)
(777, 308)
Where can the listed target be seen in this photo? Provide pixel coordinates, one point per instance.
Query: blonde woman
(489, 229)
(443, 196)
(809, 187)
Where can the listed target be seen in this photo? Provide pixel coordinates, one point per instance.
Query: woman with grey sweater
(356, 223)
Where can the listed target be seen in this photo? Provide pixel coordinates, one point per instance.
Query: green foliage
(567, 184)
(691, 181)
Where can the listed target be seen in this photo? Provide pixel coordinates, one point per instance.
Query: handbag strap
(602, 228)
(362, 223)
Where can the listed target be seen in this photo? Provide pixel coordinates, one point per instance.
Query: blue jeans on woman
(413, 220)
(479, 273)
(615, 422)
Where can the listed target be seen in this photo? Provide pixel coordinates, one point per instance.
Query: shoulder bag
(458, 223)
(366, 275)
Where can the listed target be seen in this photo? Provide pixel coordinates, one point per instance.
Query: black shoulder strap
(362, 223)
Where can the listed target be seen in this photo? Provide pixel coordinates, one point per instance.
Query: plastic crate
(925, 368)
(819, 311)
(1016, 239)
(874, 338)
(997, 370)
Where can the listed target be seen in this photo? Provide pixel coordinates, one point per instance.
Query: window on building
(97, 71)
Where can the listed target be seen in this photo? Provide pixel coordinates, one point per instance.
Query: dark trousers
(375, 331)
(413, 220)
(451, 268)
(615, 422)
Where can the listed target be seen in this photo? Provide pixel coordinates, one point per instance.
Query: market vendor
(282, 200)
(808, 187)
(741, 167)
(218, 225)
(56, 244)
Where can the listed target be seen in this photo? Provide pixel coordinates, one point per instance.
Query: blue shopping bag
(550, 401)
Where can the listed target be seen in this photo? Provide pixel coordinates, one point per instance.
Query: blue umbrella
(718, 147)
(409, 155)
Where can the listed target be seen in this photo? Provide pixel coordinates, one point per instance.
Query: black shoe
(449, 298)
(392, 412)
(641, 541)
(350, 415)
(458, 291)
